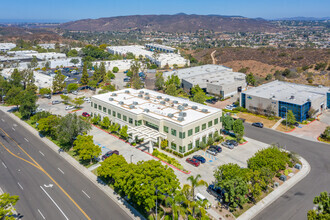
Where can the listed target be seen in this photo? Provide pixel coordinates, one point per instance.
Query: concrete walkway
(277, 123)
(256, 209)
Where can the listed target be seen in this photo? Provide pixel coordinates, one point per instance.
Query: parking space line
(60, 170)
(41, 214)
(26, 140)
(2, 120)
(85, 194)
(4, 165)
(41, 153)
(20, 186)
(13, 129)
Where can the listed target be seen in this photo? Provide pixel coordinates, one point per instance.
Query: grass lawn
(228, 137)
(251, 118)
(283, 128)
(323, 140)
(85, 163)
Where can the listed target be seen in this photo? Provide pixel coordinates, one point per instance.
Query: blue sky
(64, 10)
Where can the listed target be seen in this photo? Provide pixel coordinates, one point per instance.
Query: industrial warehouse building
(214, 79)
(279, 97)
(155, 117)
(160, 48)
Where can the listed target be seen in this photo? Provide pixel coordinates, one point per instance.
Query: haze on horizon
(61, 10)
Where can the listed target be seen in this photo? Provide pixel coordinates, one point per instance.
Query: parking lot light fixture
(131, 157)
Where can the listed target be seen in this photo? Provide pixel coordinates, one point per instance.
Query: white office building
(169, 59)
(136, 50)
(160, 48)
(121, 64)
(4, 47)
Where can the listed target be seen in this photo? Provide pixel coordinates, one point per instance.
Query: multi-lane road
(296, 202)
(47, 185)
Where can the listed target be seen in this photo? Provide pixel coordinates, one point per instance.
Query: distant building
(136, 50)
(6, 46)
(155, 116)
(160, 48)
(121, 64)
(169, 59)
(280, 97)
(47, 46)
(214, 79)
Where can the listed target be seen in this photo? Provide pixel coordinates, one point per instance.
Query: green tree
(85, 147)
(238, 128)
(115, 69)
(58, 82)
(173, 79)
(326, 134)
(78, 102)
(228, 123)
(7, 203)
(199, 97)
(235, 192)
(48, 126)
(65, 98)
(123, 132)
(171, 89)
(74, 61)
(269, 77)
(34, 63)
(250, 79)
(92, 83)
(47, 65)
(27, 78)
(72, 87)
(291, 118)
(28, 104)
(227, 172)
(164, 144)
(105, 122)
(136, 82)
(84, 78)
(14, 95)
(195, 89)
(44, 91)
(159, 82)
(16, 78)
(96, 119)
(114, 128)
(103, 71)
(111, 166)
(323, 207)
(194, 183)
(72, 53)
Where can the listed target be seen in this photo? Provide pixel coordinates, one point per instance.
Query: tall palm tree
(196, 182)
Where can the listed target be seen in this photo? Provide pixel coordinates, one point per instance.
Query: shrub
(290, 164)
(286, 172)
(278, 175)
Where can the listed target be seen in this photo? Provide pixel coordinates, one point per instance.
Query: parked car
(296, 124)
(127, 79)
(109, 153)
(75, 92)
(199, 158)
(212, 151)
(200, 197)
(233, 142)
(40, 110)
(216, 147)
(193, 162)
(69, 107)
(85, 114)
(87, 99)
(228, 145)
(47, 96)
(215, 191)
(258, 124)
(56, 102)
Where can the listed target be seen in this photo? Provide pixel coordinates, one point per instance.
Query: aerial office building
(6, 46)
(160, 48)
(155, 116)
(214, 79)
(278, 97)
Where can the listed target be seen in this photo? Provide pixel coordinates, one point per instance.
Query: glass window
(124, 118)
(190, 146)
(173, 132)
(197, 129)
(165, 129)
(104, 109)
(113, 113)
(182, 135)
(173, 146)
(95, 105)
(119, 115)
(204, 139)
(138, 123)
(182, 149)
(109, 112)
(203, 126)
(210, 124)
(210, 135)
(216, 121)
(100, 107)
(190, 132)
(130, 120)
(197, 143)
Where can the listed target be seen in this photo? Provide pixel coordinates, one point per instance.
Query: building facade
(160, 48)
(183, 123)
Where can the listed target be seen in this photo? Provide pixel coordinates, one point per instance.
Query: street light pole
(131, 157)
(286, 118)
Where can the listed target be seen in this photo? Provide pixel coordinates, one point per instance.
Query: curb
(290, 131)
(121, 202)
(273, 196)
(318, 138)
(244, 143)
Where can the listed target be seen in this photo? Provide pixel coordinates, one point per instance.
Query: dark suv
(215, 191)
(109, 153)
(233, 142)
(216, 147)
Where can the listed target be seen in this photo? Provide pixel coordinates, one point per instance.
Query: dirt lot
(252, 118)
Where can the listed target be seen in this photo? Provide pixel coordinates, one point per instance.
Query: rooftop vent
(141, 92)
(140, 95)
(180, 118)
(170, 115)
(159, 97)
(194, 107)
(204, 110)
(292, 97)
(131, 106)
(162, 102)
(147, 97)
(146, 110)
(185, 104)
(127, 91)
(183, 114)
(180, 107)
(121, 103)
(110, 99)
(135, 103)
(167, 99)
(114, 94)
(175, 102)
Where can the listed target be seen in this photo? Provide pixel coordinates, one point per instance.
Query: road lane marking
(20, 186)
(26, 140)
(60, 170)
(2, 120)
(41, 214)
(4, 165)
(13, 129)
(85, 194)
(41, 153)
(54, 203)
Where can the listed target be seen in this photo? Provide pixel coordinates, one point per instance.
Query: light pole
(131, 157)
(286, 117)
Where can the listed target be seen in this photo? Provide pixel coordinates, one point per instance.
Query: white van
(200, 197)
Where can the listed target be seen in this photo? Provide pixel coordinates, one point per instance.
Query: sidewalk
(105, 188)
(277, 123)
(256, 209)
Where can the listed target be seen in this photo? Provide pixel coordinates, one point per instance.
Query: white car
(75, 93)
(69, 107)
(87, 99)
(40, 110)
(199, 197)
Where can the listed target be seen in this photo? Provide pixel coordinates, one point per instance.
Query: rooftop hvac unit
(140, 95)
(204, 110)
(110, 99)
(180, 107)
(183, 114)
(159, 97)
(147, 97)
(126, 91)
(162, 102)
(114, 94)
(146, 110)
(292, 97)
(135, 103)
(167, 99)
(180, 118)
(131, 106)
(121, 103)
(147, 93)
(170, 115)
(194, 107)
(185, 104)
(175, 102)
(141, 92)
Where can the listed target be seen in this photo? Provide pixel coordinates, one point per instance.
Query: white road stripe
(41, 153)
(26, 140)
(60, 170)
(20, 186)
(2, 120)
(54, 203)
(13, 129)
(41, 214)
(85, 194)
(4, 165)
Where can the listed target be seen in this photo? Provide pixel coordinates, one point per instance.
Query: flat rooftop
(158, 105)
(160, 46)
(288, 92)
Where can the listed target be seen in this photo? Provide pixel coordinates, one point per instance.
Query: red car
(85, 114)
(193, 162)
(109, 153)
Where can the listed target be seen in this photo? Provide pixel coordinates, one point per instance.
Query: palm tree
(175, 203)
(196, 182)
